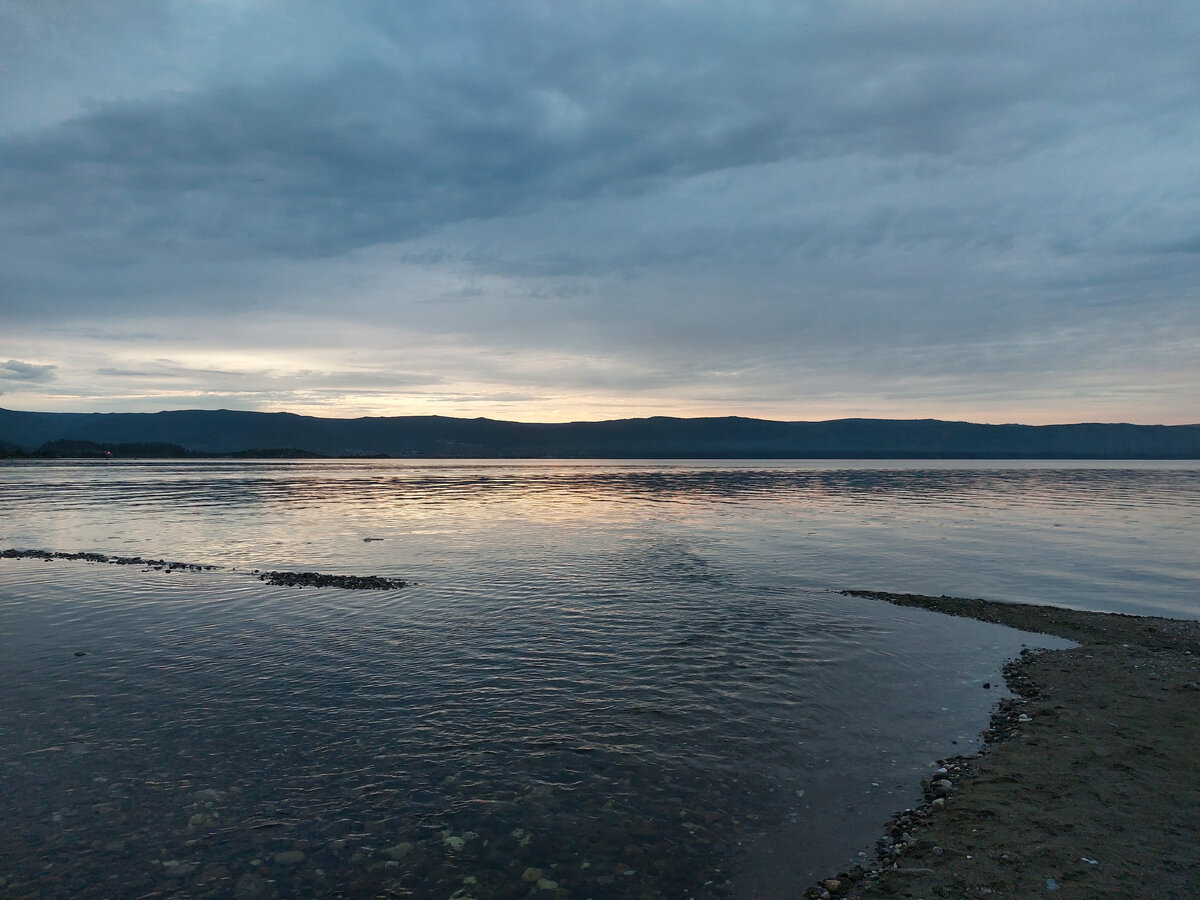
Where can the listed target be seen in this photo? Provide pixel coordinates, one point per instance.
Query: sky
(555, 211)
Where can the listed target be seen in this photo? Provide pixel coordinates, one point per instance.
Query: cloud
(479, 114)
(15, 370)
(715, 202)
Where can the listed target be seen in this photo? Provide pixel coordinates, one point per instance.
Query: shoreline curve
(1087, 783)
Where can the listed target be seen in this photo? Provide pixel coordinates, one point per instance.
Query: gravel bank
(1087, 786)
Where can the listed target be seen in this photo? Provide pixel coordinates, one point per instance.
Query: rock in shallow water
(320, 579)
(249, 887)
(400, 850)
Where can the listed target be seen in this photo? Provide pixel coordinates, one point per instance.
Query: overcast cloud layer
(548, 211)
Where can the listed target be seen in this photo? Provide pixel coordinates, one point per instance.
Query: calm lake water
(607, 679)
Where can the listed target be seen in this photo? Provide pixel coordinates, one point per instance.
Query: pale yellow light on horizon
(325, 383)
(558, 409)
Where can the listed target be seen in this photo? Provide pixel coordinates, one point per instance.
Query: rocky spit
(158, 564)
(320, 579)
(281, 579)
(906, 833)
(1087, 782)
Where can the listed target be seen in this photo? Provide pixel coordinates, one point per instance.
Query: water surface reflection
(611, 740)
(608, 680)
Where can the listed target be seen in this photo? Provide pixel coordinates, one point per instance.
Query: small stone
(400, 850)
(833, 885)
(531, 874)
(454, 842)
(942, 787)
(81, 653)
(547, 884)
(249, 887)
(289, 857)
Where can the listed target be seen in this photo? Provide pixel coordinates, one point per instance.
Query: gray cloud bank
(725, 196)
(16, 370)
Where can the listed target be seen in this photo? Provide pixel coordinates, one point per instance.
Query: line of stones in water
(281, 579)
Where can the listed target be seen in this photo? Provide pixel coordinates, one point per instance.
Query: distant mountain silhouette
(230, 432)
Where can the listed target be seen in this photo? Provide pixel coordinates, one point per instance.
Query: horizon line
(345, 418)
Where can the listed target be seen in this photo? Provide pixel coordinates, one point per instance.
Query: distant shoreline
(1087, 785)
(182, 433)
(301, 456)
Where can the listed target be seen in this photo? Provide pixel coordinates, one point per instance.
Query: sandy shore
(1088, 784)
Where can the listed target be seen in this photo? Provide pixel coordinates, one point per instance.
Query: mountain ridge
(240, 431)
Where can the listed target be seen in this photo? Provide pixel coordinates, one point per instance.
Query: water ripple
(623, 693)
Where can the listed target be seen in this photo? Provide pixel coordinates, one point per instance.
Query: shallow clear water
(634, 678)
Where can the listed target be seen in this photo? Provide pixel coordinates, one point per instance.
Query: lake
(604, 679)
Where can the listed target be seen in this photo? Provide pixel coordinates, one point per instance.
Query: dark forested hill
(230, 431)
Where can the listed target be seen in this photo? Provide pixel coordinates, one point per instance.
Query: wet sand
(1088, 784)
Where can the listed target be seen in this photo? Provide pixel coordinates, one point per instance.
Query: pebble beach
(1087, 784)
